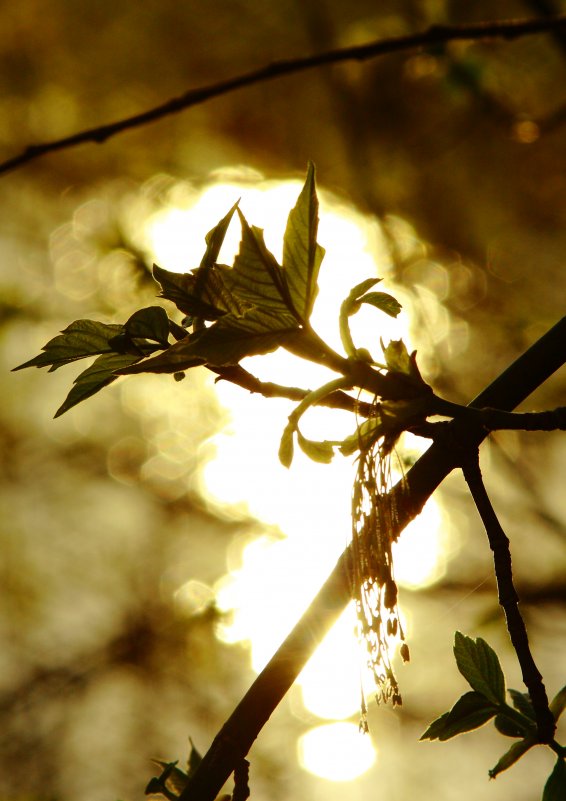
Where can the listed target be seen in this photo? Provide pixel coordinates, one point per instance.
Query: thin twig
(496, 420)
(236, 737)
(508, 598)
(237, 375)
(241, 781)
(435, 35)
(500, 420)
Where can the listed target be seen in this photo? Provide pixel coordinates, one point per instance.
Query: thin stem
(237, 375)
(508, 598)
(498, 420)
(437, 34)
(390, 385)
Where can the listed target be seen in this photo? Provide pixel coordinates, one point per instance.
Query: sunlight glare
(310, 503)
(336, 751)
(331, 681)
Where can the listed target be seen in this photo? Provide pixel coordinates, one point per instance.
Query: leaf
(214, 241)
(558, 703)
(510, 727)
(435, 729)
(227, 341)
(522, 702)
(201, 293)
(150, 323)
(177, 330)
(351, 304)
(94, 378)
(80, 339)
(302, 256)
(469, 712)
(287, 447)
(180, 288)
(256, 276)
(195, 758)
(397, 357)
(479, 665)
(511, 756)
(555, 787)
(321, 452)
(381, 300)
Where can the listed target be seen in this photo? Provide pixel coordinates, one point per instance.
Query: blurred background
(154, 553)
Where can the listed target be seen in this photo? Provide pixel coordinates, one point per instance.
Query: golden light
(273, 579)
(336, 751)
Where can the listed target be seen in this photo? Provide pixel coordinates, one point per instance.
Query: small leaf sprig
(479, 665)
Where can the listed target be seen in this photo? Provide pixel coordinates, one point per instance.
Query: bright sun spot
(336, 751)
(276, 578)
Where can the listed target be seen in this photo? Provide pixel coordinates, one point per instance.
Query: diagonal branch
(237, 735)
(508, 598)
(438, 34)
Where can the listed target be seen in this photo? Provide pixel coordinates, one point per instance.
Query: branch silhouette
(508, 598)
(232, 743)
(435, 35)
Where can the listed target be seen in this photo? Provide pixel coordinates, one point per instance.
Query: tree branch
(508, 598)
(237, 735)
(499, 420)
(236, 374)
(438, 34)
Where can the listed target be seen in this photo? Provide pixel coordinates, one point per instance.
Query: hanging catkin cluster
(372, 583)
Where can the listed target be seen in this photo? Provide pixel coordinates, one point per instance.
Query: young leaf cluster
(250, 308)
(479, 665)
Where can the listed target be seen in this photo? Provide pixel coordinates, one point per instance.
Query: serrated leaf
(287, 446)
(435, 729)
(227, 341)
(511, 756)
(201, 293)
(214, 241)
(321, 452)
(302, 256)
(479, 665)
(469, 712)
(214, 301)
(381, 300)
(79, 340)
(150, 323)
(522, 702)
(256, 277)
(510, 727)
(555, 787)
(94, 378)
(558, 703)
